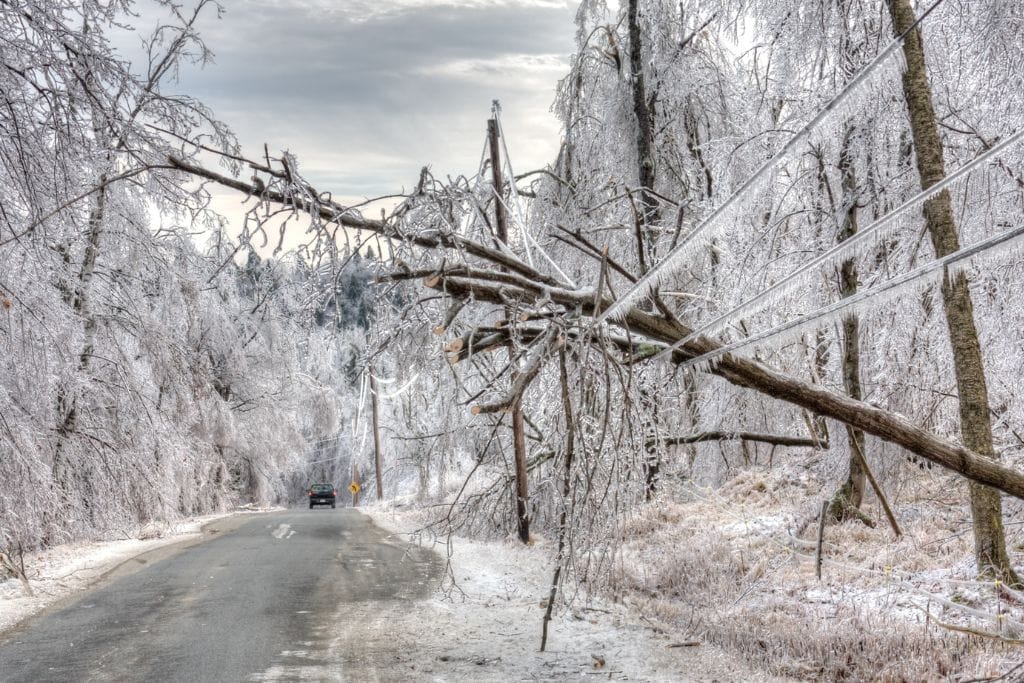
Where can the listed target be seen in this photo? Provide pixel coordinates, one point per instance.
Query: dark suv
(322, 494)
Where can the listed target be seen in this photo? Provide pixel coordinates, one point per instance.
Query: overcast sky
(366, 92)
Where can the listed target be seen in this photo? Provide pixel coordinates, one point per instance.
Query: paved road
(258, 602)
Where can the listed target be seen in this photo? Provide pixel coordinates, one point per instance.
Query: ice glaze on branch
(333, 212)
(773, 439)
(754, 375)
(484, 282)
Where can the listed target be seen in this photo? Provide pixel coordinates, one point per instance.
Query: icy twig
(676, 257)
(892, 287)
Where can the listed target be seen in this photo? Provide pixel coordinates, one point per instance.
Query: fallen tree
(497, 276)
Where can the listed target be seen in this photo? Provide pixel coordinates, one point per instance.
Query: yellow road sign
(354, 487)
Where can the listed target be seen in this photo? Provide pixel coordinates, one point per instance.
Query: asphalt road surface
(261, 601)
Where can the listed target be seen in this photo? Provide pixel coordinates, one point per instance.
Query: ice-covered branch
(530, 368)
(751, 374)
(892, 288)
(773, 439)
(722, 216)
(333, 212)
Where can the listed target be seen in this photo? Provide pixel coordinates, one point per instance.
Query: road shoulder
(64, 573)
(483, 623)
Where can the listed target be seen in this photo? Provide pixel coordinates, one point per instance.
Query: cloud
(365, 93)
(363, 11)
(528, 71)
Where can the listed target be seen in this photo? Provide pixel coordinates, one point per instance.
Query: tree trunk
(67, 402)
(847, 500)
(855, 479)
(643, 109)
(975, 427)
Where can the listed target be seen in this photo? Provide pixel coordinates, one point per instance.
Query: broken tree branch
(524, 376)
(535, 287)
(774, 439)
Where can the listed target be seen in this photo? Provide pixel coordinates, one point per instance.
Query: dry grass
(732, 566)
(723, 566)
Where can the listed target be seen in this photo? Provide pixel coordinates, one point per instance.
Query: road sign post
(354, 487)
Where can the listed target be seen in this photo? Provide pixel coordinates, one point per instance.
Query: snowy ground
(63, 571)
(487, 627)
(731, 568)
(729, 561)
(713, 585)
(482, 624)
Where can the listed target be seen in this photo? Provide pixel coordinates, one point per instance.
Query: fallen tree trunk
(751, 374)
(529, 285)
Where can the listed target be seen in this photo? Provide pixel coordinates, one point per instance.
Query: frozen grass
(725, 565)
(484, 624)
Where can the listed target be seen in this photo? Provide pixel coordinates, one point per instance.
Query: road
(263, 601)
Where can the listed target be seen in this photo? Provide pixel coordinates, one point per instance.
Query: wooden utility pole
(500, 216)
(377, 456)
(518, 435)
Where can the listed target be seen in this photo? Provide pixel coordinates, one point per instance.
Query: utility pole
(377, 456)
(518, 436)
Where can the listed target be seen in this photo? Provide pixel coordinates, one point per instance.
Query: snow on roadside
(488, 627)
(61, 571)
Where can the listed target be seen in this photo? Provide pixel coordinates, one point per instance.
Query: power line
(838, 251)
(891, 287)
(677, 256)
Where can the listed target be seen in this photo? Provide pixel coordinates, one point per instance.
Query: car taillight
(334, 492)
(309, 493)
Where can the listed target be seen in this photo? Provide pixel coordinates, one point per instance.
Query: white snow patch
(487, 627)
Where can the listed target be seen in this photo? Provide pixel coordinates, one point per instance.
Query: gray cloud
(367, 92)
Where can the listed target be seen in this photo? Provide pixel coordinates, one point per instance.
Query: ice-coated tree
(722, 203)
(742, 251)
(145, 375)
(840, 36)
(958, 304)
